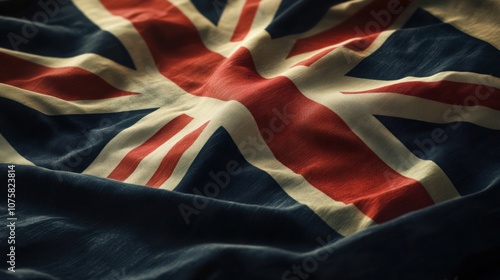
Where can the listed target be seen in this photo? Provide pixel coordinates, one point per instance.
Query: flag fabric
(231, 139)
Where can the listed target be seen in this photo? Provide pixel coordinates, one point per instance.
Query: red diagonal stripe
(315, 143)
(130, 162)
(446, 92)
(246, 19)
(67, 83)
(309, 61)
(363, 25)
(173, 156)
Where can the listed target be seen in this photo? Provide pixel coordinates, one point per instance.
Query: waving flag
(233, 139)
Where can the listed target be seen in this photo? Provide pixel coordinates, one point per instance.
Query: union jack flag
(231, 139)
